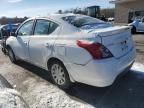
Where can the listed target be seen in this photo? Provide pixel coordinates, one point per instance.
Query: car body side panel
(140, 26)
(19, 46)
(102, 73)
(40, 47)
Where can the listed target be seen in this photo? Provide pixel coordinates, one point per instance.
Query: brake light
(97, 50)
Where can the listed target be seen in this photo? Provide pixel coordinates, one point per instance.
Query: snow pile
(138, 67)
(4, 83)
(43, 95)
(9, 98)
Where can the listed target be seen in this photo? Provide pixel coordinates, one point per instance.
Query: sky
(21, 8)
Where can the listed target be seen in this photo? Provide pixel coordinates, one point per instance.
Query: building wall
(122, 10)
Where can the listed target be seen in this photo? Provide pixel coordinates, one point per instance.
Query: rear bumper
(102, 73)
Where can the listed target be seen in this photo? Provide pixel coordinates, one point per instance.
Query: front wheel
(133, 30)
(11, 55)
(4, 51)
(60, 75)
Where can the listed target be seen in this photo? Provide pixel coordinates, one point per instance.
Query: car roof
(65, 15)
(58, 17)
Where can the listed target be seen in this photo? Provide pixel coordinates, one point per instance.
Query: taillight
(97, 50)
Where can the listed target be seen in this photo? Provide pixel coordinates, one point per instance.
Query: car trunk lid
(117, 39)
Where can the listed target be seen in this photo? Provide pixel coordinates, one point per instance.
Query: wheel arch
(56, 59)
(134, 26)
(8, 46)
(133, 29)
(51, 60)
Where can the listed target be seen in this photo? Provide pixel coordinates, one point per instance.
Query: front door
(21, 43)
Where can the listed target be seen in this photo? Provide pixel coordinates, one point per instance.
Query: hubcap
(58, 74)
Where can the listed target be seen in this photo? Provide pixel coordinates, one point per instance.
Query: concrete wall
(122, 10)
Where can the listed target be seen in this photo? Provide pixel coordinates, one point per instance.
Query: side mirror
(13, 34)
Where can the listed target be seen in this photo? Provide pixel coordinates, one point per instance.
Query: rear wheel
(11, 55)
(60, 75)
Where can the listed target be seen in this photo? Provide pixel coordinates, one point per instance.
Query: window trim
(36, 24)
(45, 20)
(24, 24)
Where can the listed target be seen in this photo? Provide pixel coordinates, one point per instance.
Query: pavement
(38, 91)
(139, 42)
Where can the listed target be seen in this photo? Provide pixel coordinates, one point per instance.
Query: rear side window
(52, 27)
(44, 27)
(80, 21)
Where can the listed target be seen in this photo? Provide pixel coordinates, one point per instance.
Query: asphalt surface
(38, 91)
(139, 42)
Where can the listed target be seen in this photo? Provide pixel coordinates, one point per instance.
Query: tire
(133, 30)
(4, 51)
(11, 55)
(59, 75)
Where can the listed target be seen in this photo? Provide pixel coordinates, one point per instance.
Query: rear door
(41, 44)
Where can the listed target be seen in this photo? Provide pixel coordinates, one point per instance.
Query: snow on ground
(37, 92)
(41, 95)
(138, 67)
(9, 98)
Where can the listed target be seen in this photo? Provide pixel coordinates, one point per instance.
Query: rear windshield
(80, 21)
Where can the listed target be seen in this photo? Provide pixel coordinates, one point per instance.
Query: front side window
(44, 27)
(26, 29)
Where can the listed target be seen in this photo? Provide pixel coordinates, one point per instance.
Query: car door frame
(28, 38)
(45, 45)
